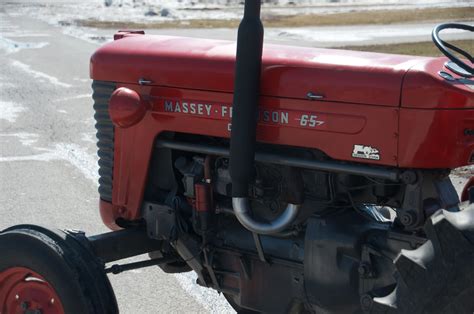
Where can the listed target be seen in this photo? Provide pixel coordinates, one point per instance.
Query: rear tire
(64, 263)
(438, 277)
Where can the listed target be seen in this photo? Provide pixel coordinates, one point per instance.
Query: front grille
(105, 136)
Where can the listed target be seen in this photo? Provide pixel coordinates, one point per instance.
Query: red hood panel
(424, 88)
(288, 72)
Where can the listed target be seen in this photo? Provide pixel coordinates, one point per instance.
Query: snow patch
(208, 298)
(345, 35)
(37, 157)
(460, 176)
(80, 158)
(5, 85)
(11, 46)
(458, 182)
(24, 34)
(89, 138)
(39, 75)
(66, 14)
(86, 34)
(9, 111)
(82, 80)
(81, 96)
(26, 139)
(72, 153)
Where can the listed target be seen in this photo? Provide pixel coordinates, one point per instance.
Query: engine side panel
(442, 138)
(337, 129)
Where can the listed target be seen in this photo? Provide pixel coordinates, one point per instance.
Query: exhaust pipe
(244, 122)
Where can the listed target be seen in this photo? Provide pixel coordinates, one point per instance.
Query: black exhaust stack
(246, 93)
(244, 123)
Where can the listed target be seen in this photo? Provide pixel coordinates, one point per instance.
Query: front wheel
(44, 271)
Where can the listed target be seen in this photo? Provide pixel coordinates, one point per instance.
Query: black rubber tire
(64, 260)
(437, 277)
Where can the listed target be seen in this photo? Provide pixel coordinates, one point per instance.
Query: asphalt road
(48, 163)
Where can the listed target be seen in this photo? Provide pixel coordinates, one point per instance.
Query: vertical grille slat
(101, 92)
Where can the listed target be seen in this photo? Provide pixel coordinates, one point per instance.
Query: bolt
(408, 177)
(366, 302)
(408, 218)
(17, 297)
(364, 269)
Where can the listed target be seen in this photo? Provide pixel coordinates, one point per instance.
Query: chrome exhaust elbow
(248, 68)
(241, 206)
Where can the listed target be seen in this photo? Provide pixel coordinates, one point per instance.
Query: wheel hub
(24, 291)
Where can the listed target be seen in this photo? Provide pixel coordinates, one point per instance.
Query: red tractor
(294, 180)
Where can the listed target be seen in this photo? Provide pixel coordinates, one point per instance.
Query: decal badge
(365, 152)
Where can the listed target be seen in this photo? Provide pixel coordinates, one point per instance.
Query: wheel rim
(24, 291)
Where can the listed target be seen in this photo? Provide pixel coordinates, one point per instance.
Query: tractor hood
(429, 85)
(287, 72)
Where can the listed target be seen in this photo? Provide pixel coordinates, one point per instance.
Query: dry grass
(415, 49)
(351, 18)
(374, 17)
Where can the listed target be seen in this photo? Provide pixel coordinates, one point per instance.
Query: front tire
(51, 272)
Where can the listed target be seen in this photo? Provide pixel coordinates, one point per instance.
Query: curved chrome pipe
(241, 207)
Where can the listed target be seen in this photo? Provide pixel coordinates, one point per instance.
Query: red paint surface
(19, 285)
(424, 88)
(435, 138)
(290, 72)
(109, 214)
(364, 104)
(126, 107)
